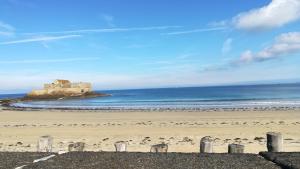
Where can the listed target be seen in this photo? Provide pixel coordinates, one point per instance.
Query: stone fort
(63, 87)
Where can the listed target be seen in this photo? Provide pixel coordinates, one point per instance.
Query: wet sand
(181, 130)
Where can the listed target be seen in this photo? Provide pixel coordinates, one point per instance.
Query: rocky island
(63, 89)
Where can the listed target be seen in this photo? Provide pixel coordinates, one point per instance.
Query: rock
(206, 145)
(274, 142)
(159, 148)
(78, 146)
(121, 146)
(45, 144)
(236, 148)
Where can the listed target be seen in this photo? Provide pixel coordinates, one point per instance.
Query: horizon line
(192, 86)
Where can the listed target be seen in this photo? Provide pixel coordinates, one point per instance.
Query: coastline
(221, 98)
(11, 106)
(181, 130)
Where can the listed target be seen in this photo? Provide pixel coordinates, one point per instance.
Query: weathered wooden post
(45, 144)
(206, 145)
(78, 146)
(274, 142)
(235, 148)
(159, 148)
(121, 146)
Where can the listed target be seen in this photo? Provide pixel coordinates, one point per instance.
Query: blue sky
(121, 44)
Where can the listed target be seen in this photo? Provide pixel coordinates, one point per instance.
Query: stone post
(45, 144)
(159, 148)
(206, 145)
(235, 148)
(121, 146)
(274, 142)
(78, 146)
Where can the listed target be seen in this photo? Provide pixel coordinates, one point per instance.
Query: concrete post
(206, 145)
(121, 146)
(78, 146)
(274, 142)
(159, 148)
(45, 144)
(235, 148)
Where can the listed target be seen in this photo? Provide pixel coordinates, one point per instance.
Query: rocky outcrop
(62, 95)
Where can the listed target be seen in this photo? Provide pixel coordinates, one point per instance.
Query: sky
(121, 44)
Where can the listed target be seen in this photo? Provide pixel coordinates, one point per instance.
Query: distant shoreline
(8, 102)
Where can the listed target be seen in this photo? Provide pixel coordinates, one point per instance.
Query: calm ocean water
(287, 95)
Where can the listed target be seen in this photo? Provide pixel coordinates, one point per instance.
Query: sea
(241, 96)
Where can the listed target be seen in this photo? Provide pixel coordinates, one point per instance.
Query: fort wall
(63, 88)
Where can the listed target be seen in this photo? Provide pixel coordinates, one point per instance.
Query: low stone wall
(62, 95)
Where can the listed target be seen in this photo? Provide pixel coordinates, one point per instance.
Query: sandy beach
(181, 130)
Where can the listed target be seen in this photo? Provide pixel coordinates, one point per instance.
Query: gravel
(10, 160)
(112, 160)
(290, 160)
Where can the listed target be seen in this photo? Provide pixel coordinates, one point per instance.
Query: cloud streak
(195, 31)
(48, 60)
(283, 45)
(40, 39)
(227, 45)
(6, 29)
(108, 30)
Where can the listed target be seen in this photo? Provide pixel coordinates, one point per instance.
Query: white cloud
(6, 29)
(283, 45)
(291, 37)
(246, 57)
(195, 31)
(227, 45)
(40, 39)
(276, 14)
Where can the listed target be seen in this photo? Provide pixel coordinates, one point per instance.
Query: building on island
(63, 88)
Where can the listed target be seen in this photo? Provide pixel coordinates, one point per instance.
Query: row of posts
(274, 144)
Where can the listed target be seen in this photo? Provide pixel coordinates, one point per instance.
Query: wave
(169, 105)
(194, 100)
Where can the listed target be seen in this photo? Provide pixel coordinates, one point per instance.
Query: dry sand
(182, 131)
